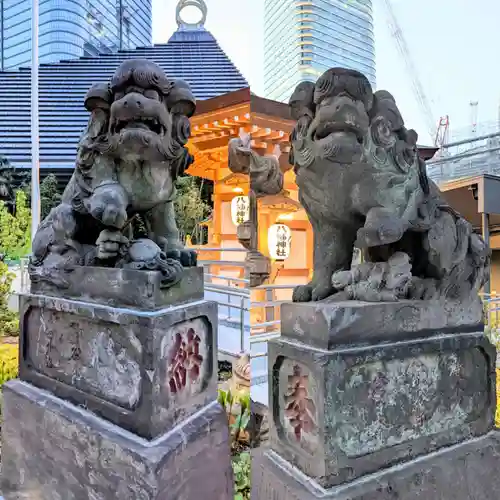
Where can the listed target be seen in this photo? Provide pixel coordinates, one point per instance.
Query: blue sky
(454, 45)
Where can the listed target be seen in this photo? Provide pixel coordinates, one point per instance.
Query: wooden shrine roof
(219, 119)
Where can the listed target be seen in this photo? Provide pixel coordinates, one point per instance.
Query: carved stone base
(124, 287)
(145, 371)
(461, 472)
(352, 406)
(53, 450)
(329, 324)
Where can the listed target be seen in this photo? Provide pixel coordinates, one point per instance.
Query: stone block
(124, 287)
(53, 450)
(464, 471)
(332, 324)
(146, 371)
(341, 413)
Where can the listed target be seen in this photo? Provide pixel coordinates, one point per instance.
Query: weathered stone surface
(464, 471)
(350, 411)
(329, 324)
(258, 425)
(241, 378)
(145, 371)
(113, 287)
(53, 450)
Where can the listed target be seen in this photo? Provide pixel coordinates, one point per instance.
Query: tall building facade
(304, 38)
(72, 28)
(192, 54)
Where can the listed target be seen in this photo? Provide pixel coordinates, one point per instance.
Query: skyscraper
(304, 38)
(72, 28)
(192, 54)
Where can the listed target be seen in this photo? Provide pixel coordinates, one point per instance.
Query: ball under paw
(187, 257)
(302, 293)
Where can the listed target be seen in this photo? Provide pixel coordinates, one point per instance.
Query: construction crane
(439, 133)
(473, 117)
(442, 133)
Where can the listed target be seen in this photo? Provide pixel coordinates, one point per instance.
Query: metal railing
(232, 297)
(473, 156)
(262, 332)
(491, 303)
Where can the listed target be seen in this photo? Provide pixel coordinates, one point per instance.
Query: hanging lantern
(279, 240)
(240, 209)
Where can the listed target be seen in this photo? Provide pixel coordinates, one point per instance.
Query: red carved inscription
(184, 361)
(299, 407)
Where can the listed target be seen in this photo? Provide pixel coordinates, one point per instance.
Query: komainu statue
(117, 210)
(363, 184)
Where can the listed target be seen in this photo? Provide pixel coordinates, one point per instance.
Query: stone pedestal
(117, 402)
(361, 388)
(55, 450)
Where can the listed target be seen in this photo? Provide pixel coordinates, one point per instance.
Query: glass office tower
(304, 38)
(72, 28)
(192, 55)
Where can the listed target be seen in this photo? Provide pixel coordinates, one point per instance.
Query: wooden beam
(214, 141)
(258, 145)
(209, 137)
(238, 97)
(272, 122)
(260, 132)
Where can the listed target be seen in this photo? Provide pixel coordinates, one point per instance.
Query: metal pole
(461, 156)
(35, 133)
(242, 325)
(120, 21)
(471, 139)
(485, 219)
(3, 34)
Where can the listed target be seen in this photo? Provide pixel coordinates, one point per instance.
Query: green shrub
(190, 207)
(242, 466)
(9, 362)
(9, 322)
(15, 229)
(238, 413)
(9, 366)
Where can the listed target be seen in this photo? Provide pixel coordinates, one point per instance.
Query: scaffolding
(468, 157)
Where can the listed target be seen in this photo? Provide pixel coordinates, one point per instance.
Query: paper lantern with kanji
(240, 209)
(279, 240)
